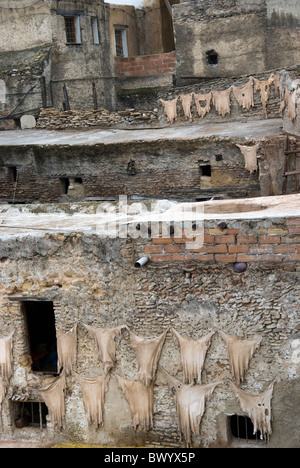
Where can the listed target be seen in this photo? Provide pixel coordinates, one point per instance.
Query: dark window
(65, 183)
(242, 428)
(30, 414)
(72, 25)
(14, 174)
(205, 170)
(41, 335)
(121, 42)
(212, 57)
(78, 180)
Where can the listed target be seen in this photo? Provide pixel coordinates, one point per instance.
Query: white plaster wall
(135, 3)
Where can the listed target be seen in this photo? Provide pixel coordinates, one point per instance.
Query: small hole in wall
(212, 57)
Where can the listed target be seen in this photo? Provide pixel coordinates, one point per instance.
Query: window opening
(95, 31)
(14, 174)
(78, 180)
(30, 414)
(242, 428)
(205, 170)
(65, 183)
(72, 25)
(212, 57)
(41, 335)
(121, 42)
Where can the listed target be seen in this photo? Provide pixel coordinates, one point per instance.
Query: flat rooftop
(98, 218)
(252, 130)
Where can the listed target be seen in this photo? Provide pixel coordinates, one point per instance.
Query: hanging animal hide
(258, 408)
(276, 82)
(240, 352)
(244, 94)
(105, 340)
(190, 405)
(6, 357)
(290, 100)
(250, 156)
(193, 353)
(3, 389)
(186, 100)
(93, 393)
(264, 88)
(53, 395)
(204, 98)
(170, 109)
(221, 101)
(148, 353)
(67, 350)
(140, 401)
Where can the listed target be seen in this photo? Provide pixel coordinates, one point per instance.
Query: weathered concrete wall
(238, 37)
(248, 36)
(92, 280)
(283, 33)
(22, 28)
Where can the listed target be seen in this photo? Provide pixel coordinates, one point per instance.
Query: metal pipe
(141, 262)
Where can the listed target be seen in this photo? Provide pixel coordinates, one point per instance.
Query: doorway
(41, 335)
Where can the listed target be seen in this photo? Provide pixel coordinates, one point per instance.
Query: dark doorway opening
(41, 333)
(65, 183)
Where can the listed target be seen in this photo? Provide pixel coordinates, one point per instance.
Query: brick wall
(267, 242)
(146, 65)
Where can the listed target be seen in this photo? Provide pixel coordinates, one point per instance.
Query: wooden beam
(167, 3)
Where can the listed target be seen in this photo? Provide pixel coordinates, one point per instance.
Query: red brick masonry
(146, 65)
(275, 243)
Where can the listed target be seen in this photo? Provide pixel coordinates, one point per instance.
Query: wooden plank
(291, 173)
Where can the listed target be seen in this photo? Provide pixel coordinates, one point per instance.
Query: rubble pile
(56, 120)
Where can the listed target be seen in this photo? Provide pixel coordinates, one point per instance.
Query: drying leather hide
(105, 340)
(258, 408)
(290, 101)
(93, 393)
(190, 405)
(240, 352)
(66, 350)
(264, 88)
(193, 353)
(250, 156)
(54, 397)
(186, 100)
(140, 401)
(244, 94)
(205, 98)
(221, 101)
(3, 388)
(170, 108)
(6, 357)
(148, 353)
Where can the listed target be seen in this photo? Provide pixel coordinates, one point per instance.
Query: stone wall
(92, 280)
(167, 169)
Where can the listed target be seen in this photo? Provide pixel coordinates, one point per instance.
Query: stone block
(28, 122)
